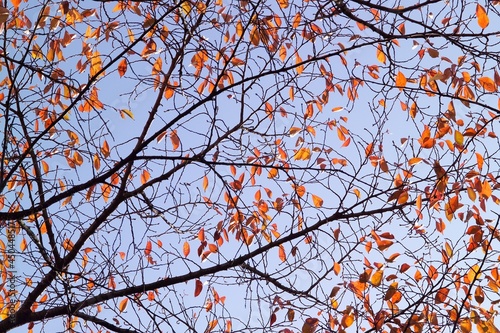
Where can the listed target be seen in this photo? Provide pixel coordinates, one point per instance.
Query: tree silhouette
(238, 166)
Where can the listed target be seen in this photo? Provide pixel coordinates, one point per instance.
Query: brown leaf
(198, 288)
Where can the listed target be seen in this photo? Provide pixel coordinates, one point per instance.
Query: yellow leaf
(317, 201)
(126, 112)
(303, 154)
(482, 17)
(185, 7)
(95, 64)
(186, 249)
(376, 278)
(123, 305)
(380, 54)
(459, 138)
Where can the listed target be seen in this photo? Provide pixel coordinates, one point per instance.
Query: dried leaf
(317, 201)
(123, 305)
(198, 288)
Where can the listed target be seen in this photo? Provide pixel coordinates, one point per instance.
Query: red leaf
(198, 288)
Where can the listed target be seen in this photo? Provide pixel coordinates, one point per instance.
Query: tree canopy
(249, 166)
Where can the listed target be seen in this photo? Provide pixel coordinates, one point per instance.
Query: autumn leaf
(310, 325)
(281, 253)
(122, 67)
(482, 18)
(488, 84)
(123, 305)
(400, 80)
(198, 288)
(4, 14)
(380, 54)
(149, 246)
(317, 201)
(441, 295)
(174, 138)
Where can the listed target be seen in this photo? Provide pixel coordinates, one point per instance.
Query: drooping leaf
(123, 305)
(317, 201)
(482, 18)
(310, 325)
(198, 288)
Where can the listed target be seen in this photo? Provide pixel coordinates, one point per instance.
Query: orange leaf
(296, 20)
(317, 201)
(254, 36)
(480, 161)
(336, 268)
(16, 3)
(105, 149)
(413, 110)
(205, 183)
(123, 305)
(441, 295)
(414, 160)
(201, 235)
(482, 17)
(198, 288)
(23, 245)
(400, 80)
(145, 176)
(122, 67)
(283, 3)
(384, 244)
(149, 246)
(425, 139)
(369, 149)
(67, 244)
(282, 253)
(488, 84)
(300, 190)
(300, 68)
(175, 139)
